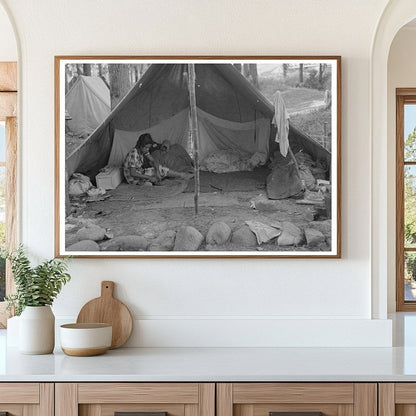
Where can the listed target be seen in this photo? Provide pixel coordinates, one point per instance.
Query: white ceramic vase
(37, 330)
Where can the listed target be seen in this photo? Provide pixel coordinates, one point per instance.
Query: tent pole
(194, 130)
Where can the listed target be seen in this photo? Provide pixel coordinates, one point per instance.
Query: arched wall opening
(396, 15)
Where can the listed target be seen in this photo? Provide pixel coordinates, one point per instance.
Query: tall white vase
(37, 330)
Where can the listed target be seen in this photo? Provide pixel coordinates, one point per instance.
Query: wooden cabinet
(331, 399)
(208, 399)
(27, 399)
(106, 399)
(397, 399)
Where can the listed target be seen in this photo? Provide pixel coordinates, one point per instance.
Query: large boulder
(218, 234)
(164, 242)
(85, 245)
(125, 243)
(291, 235)
(244, 237)
(91, 232)
(188, 239)
(314, 237)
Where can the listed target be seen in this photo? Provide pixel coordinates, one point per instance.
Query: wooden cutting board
(108, 310)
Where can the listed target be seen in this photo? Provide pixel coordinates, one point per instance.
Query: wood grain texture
(365, 399)
(25, 393)
(405, 410)
(138, 393)
(265, 409)
(47, 399)
(207, 399)
(190, 410)
(386, 399)
(91, 410)
(8, 76)
(346, 410)
(11, 195)
(57, 167)
(66, 399)
(13, 409)
(400, 305)
(405, 393)
(224, 402)
(111, 311)
(8, 105)
(341, 393)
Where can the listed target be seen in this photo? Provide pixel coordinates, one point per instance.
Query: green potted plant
(36, 289)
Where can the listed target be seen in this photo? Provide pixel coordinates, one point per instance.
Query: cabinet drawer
(147, 399)
(21, 399)
(309, 399)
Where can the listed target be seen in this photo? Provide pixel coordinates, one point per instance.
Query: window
(8, 165)
(406, 199)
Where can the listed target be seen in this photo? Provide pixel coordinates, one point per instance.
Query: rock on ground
(85, 245)
(314, 237)
(125, 243)
(188, 239)
(91, 232)
(291, 235)
(218, 234)
(324, 227)
(165, 241)
(244, 237)
(262, 203)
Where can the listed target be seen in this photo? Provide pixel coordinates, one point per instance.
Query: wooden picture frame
(244, 158)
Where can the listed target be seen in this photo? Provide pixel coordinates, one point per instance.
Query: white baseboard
(254, 332)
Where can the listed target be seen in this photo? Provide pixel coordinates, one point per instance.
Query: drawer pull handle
(295, 413)
(140, 414)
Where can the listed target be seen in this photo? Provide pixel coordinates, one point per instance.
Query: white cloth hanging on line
(281, 121)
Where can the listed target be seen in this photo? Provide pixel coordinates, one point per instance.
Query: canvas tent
(88, 104)
(232, 114)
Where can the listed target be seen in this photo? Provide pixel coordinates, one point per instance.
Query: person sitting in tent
(140, 167)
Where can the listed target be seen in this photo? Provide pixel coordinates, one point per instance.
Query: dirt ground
(149, 210)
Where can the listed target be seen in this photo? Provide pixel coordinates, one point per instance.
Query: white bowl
(83, 340)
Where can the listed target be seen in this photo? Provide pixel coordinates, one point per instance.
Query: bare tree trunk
(285, 66)
(194, 130)
(246, 70)
(101, 74)
(67, 78)
(254, 75)
(321, 73)
(119, 82)
(86, 69)
(300, 73)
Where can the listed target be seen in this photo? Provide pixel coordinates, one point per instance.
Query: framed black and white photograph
(198, 156)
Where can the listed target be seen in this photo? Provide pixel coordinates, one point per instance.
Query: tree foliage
(410, 191)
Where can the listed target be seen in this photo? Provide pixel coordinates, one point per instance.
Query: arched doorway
(396, 15)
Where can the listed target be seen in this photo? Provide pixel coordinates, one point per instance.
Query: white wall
(401, 74)
(202, 302)
(8, 47)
